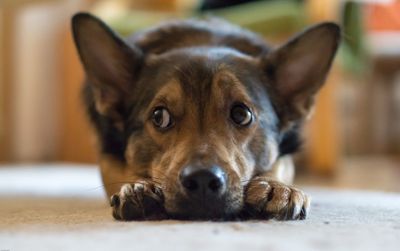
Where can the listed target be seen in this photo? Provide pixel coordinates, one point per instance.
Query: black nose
(204, 182)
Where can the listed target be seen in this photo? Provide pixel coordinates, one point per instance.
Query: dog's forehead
(197, 68)
(206, 72)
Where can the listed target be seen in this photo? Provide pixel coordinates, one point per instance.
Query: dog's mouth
(220, 208)
(203, 193)
(203, 210)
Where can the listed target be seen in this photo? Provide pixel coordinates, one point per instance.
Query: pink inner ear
(296, 75)
(305, 68)
(303, 62)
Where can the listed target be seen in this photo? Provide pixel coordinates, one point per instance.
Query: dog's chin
(207, 211)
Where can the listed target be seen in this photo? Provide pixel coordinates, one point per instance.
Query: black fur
(112, 140)
(290, 141)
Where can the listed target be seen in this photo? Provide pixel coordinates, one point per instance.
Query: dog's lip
(190, 210)
(191, 217)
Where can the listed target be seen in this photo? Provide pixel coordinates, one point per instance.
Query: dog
(197, 119)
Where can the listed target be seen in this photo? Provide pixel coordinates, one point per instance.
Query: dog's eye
(241, 115)
(161, 118)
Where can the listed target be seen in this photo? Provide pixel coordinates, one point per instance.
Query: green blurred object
(269, 18)
(353, 52)
(265, 17)
(137, 20)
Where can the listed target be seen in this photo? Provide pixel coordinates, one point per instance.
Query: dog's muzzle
(204, 191)
(203, 183)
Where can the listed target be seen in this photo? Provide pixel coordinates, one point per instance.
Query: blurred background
(353, 140)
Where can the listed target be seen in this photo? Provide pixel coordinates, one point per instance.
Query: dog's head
(200, 121)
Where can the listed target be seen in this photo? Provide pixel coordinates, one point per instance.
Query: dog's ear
(110, 63)
(298, 69)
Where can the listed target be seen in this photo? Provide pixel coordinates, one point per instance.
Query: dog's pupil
(241, 115)
(161, 117)
(158, 117)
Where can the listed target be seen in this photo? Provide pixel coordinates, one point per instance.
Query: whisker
(106, 184)
(245, 181)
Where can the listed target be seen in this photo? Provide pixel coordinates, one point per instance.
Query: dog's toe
(297, 206)
(271, 199)
(138, 201)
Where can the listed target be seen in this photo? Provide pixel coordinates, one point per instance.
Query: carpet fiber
(76, 217)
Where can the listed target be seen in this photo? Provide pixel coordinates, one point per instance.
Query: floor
(368, 173)
(71, 214)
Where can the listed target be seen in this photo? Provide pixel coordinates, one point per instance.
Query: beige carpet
(70, 214)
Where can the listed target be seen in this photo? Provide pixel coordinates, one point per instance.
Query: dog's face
(201, 121)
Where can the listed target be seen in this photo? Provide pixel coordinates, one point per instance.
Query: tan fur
(272, 193)
(114, 174)
(283, 170)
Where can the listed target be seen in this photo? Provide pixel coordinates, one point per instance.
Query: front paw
(141, 200)
(266, 199)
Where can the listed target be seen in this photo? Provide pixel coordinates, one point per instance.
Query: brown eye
(241, 114)
(161, 118)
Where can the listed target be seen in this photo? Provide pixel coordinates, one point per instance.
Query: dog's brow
(170, 95)
(232, 86)
(162, 99)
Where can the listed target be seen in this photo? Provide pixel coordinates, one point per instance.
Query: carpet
(63, 208)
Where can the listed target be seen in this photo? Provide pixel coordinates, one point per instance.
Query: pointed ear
(298, 69)
(110, 64)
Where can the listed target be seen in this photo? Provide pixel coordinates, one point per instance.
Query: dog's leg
(271, 195)
(132, 197)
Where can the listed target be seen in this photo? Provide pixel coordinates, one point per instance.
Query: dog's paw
(269, 199)
(141, 200)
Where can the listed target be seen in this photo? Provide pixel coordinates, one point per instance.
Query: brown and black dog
(197, 119)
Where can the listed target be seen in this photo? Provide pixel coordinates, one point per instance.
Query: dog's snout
(201, 181)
